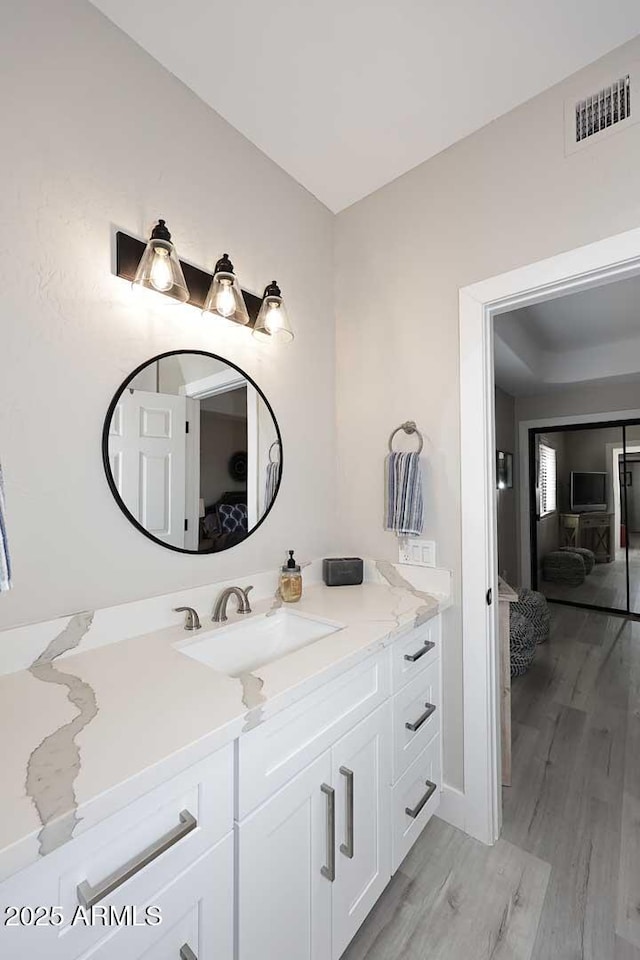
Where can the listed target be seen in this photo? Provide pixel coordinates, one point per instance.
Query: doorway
(581, 269)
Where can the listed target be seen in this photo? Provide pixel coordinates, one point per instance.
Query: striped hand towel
(404, 506)
(5, 561)
(273, 475)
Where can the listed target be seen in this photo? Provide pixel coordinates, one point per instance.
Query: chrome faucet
(220, 607)
(191, 618)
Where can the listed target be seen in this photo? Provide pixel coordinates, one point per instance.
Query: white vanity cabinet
(315, 857)
(277, 846)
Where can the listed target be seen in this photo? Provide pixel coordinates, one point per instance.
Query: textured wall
(97, 135)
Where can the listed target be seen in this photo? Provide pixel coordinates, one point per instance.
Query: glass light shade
(273, 321)
(225, 296)
(159, 268)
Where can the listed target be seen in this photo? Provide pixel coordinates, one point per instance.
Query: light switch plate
(420, 553)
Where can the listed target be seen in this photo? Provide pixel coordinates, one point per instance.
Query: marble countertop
(91, 732)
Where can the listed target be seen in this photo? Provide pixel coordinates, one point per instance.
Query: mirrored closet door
(584, 484)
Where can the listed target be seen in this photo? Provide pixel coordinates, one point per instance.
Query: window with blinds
(546, 479)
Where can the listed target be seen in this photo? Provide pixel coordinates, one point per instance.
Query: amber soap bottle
(291, 580)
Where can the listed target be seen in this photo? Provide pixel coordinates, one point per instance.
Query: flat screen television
(588, 491)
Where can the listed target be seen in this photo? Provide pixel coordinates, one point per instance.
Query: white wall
(504, 197)
(96, 135)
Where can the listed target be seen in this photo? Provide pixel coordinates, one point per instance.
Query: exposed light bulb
(225, 300)
(161, 277)
(501, 485)
(273, 319)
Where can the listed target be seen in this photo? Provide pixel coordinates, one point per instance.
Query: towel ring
(409, 426)
(274, 444)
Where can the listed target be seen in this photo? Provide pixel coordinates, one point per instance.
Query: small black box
(342, 571)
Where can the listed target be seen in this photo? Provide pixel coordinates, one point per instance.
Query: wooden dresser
(590, 530)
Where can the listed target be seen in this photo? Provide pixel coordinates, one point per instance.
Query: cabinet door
(285, 853)
(361, 774)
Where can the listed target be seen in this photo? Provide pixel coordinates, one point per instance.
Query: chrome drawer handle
(412, 657)
(413, 812)
(347, 846)
(88, 896)
(431, 707)
(186, 953)
(330, 870)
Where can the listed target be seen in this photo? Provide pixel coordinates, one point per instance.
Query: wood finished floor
(563, 881)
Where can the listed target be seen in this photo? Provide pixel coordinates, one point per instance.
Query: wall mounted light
(273, 321)
(225, 296)
(504, 470)
(155, 265)
(159, 268)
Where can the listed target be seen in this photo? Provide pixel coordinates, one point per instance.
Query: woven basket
(564, 566)
(521, 642)
(535, 608)
(588, 556)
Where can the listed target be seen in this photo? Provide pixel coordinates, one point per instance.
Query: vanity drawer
(414, 652)
(128, 858)
(416, 717)
(285, 744)
(414, 792)
(197, 917)
(205, 790)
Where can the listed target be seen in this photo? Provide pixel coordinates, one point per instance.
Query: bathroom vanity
(261, 806)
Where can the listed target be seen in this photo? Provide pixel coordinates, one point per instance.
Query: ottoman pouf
(588, 556)
(535, 608)
(564, 566)
(522, 642)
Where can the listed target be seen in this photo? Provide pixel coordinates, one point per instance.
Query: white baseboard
(452, 807)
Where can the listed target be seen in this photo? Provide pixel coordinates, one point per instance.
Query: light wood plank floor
(563, 881)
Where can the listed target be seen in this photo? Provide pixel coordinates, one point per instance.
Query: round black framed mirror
(192, 451)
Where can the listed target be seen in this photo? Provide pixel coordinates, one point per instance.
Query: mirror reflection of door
(193, 452)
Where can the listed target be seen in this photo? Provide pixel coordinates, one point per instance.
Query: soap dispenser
(291, 580)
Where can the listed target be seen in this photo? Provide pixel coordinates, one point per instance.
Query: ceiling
(587, 337)
(347, 95)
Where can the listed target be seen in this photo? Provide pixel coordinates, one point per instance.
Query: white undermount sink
(244, 646)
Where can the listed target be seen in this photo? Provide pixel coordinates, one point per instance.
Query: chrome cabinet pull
(422, 718)
(88, 896)
(413, 812)
(347, 846)
(330, 870)
(429, 645)
(186, 953)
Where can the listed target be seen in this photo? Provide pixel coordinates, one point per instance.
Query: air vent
(603, 109)
(612, 107)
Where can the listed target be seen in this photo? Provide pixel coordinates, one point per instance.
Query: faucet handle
(246, 607)
(191, 618)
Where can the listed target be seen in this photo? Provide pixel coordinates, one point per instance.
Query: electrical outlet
(420, 553)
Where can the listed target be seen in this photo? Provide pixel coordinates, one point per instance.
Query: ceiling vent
(602, 112)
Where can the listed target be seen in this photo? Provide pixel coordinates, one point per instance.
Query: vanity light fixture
(159, 268)
(273, 321)
(225, 296)
(155, 265)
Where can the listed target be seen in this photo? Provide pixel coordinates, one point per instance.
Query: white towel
(404, 510)
(5, 560)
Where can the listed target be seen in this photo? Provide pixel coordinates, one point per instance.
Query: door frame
(615, 258)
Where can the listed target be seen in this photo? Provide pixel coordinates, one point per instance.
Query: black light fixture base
(129, 251)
